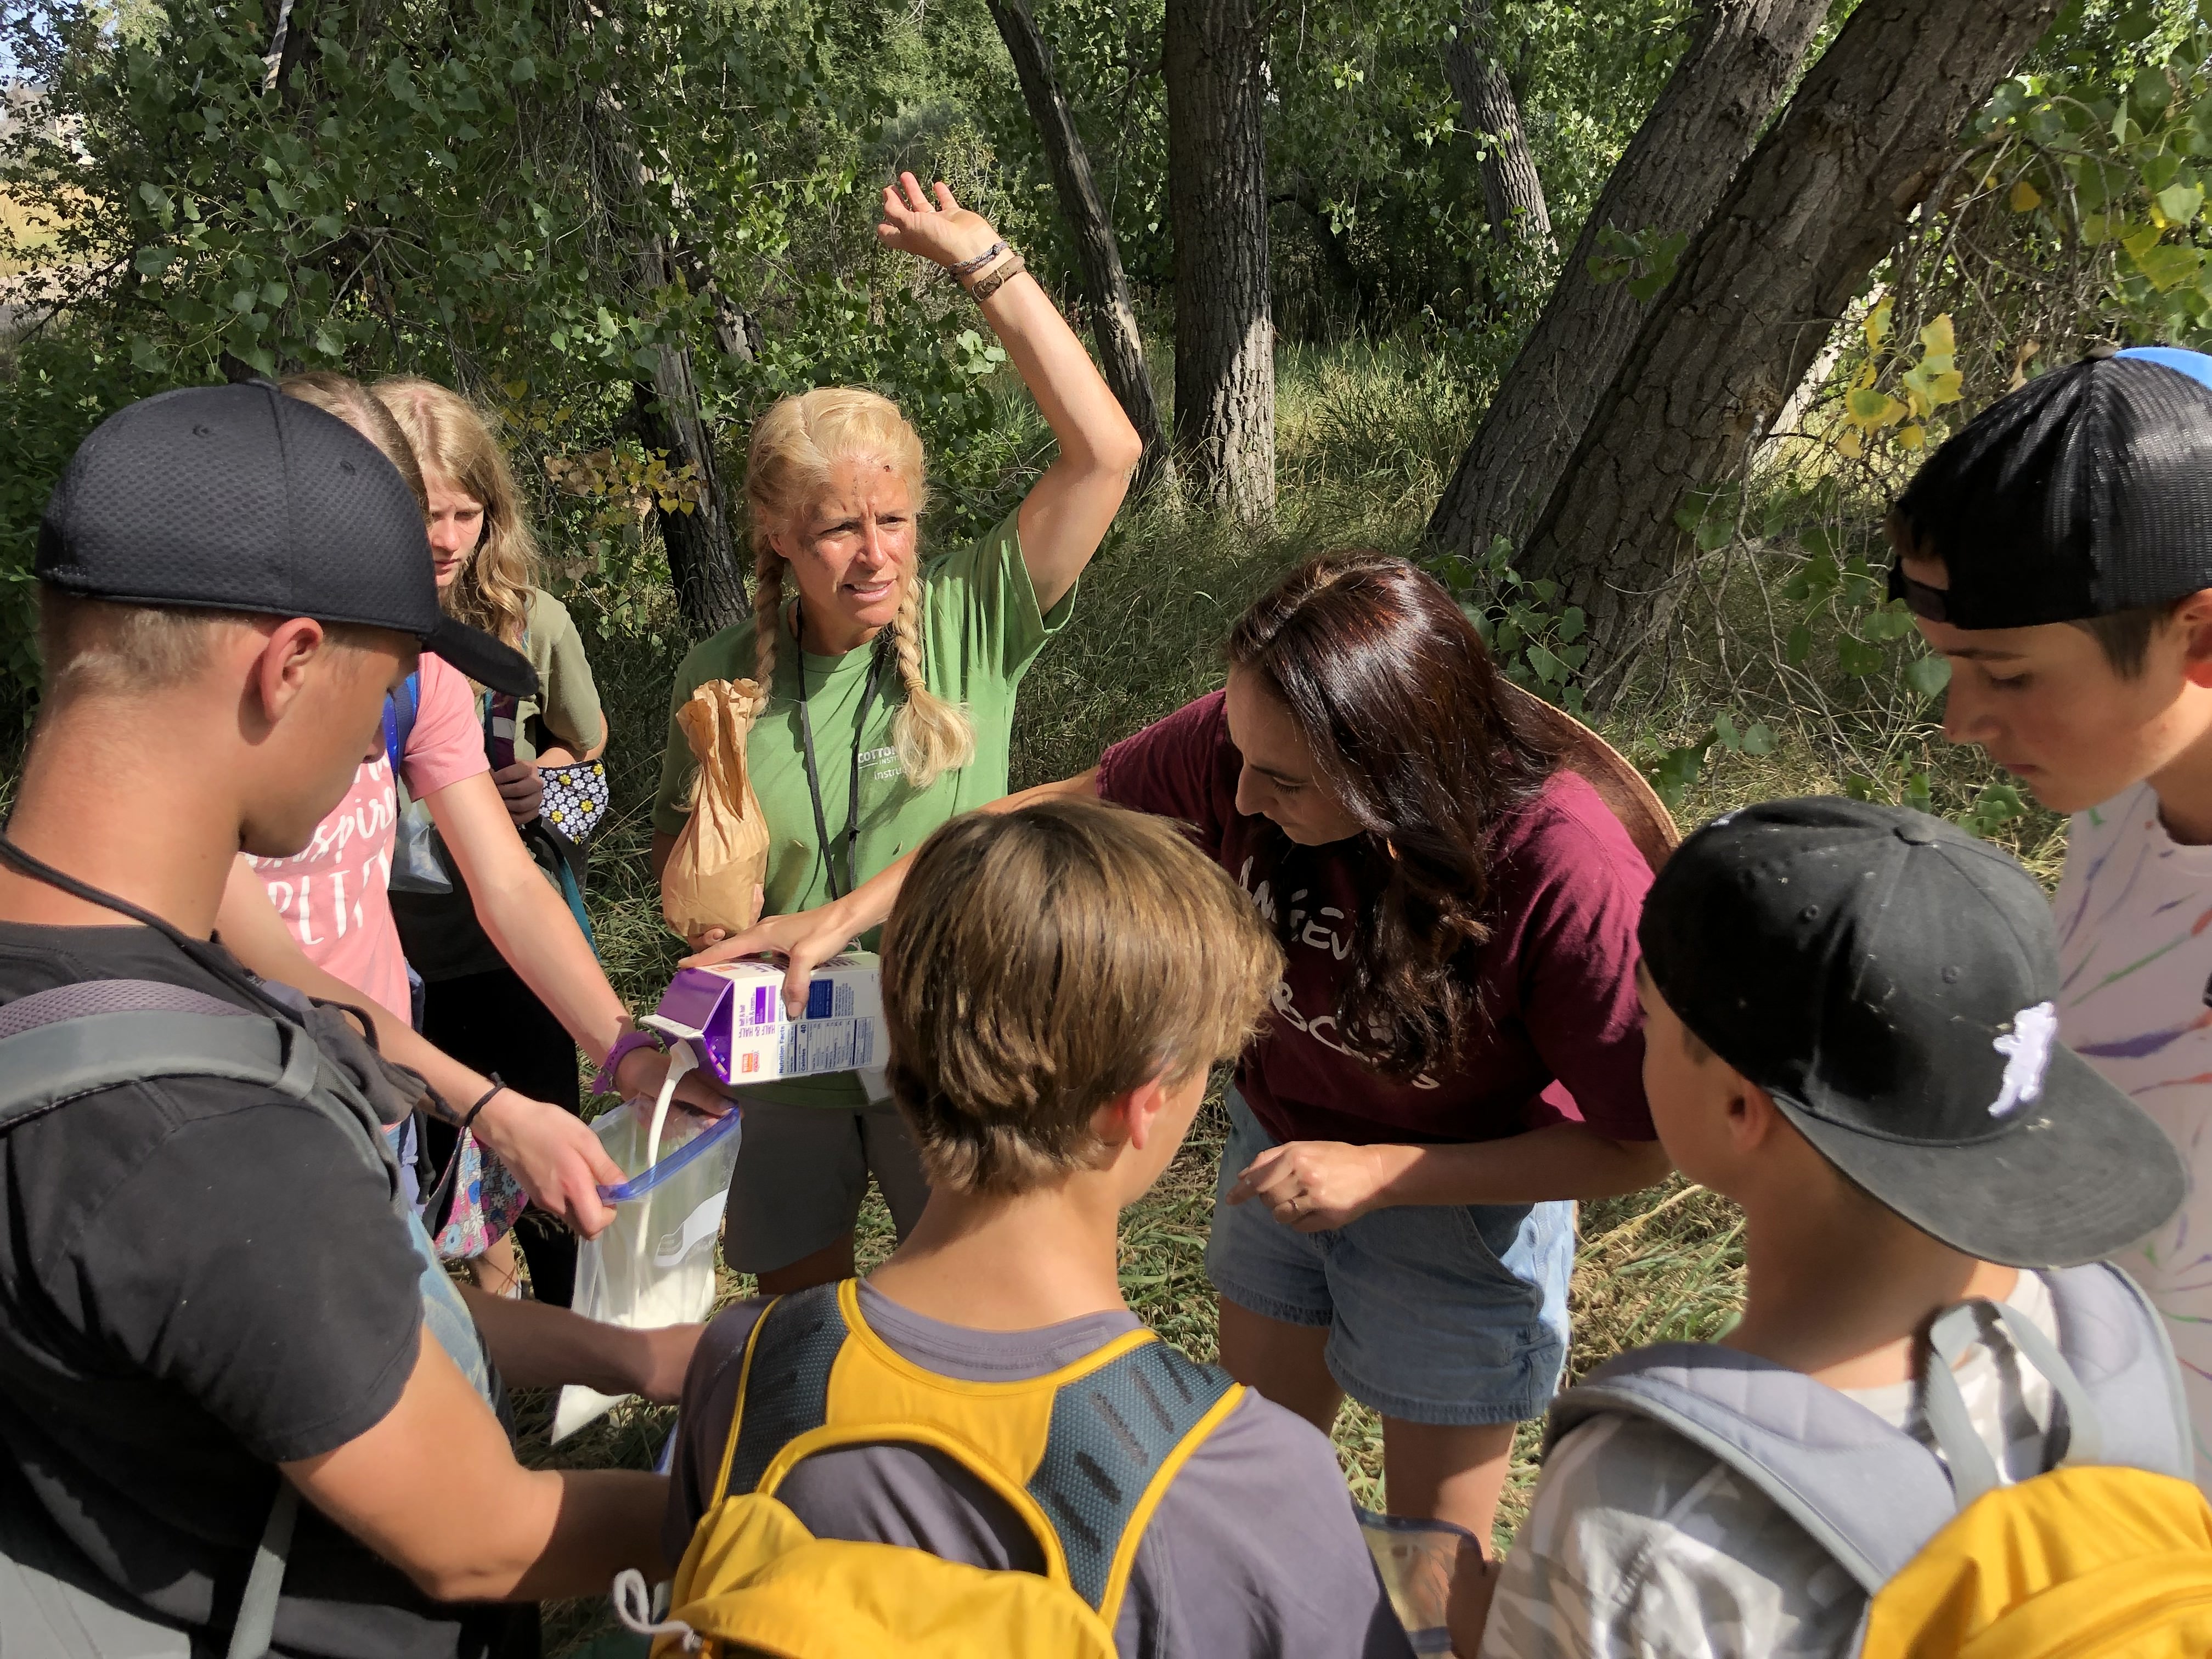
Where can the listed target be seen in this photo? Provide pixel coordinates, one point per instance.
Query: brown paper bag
(714, 877)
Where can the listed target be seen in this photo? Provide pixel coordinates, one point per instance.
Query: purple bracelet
(604, 1083)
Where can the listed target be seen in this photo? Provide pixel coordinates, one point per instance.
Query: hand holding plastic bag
(655, 1265)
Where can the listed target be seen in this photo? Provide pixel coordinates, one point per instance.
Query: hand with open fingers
(942, 232)
(1316, 1185)
(554, 1154)
(804, 940)
(1474, 1582)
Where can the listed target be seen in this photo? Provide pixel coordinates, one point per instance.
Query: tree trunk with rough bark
(1756, 295)
(1224, 389)
(703, 562)
(1703, 124)
(1105, 285)
(1512, 194)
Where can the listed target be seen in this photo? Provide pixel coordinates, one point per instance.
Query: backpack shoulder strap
(1867, 1494)
(1119, 1436)
(2117, 1343)
(783, 1385)
(400, 707)
(73, 1041)
(60, 1045)
(1117, 1430)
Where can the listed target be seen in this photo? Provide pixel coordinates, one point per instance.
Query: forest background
(1628, 316)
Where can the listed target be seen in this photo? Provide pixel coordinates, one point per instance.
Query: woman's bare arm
(807, 938)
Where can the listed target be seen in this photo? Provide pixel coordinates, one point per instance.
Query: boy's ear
(280, 662)
(1752, 1115)
(2194, 617)
(1131, 1119)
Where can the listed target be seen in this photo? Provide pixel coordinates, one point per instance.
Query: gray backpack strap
(1868, 1495)
(73, 1041)
(2118, 1345)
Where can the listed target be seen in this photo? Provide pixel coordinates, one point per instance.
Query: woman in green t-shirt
(904, 672)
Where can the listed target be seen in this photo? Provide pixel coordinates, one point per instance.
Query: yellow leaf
(1873, 409)
(1847, 445)
(2025, 197)
(2141, 241)
(1937, 338)
(1877, 322)
(1910, 437)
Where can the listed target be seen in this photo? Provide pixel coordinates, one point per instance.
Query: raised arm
(1067, 513)
(805, 939)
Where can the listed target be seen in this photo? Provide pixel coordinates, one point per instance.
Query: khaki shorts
(801, 1173)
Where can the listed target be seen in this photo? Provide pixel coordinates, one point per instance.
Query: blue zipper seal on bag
(730, 1123)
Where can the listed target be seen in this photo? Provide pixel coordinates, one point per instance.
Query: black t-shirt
(199, 1280)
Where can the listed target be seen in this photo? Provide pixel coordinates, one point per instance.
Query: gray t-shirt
(1640, 1545)
(1255, 1549)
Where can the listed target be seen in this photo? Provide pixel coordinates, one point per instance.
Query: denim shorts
(1449, 1314)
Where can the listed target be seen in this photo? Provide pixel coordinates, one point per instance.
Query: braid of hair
(767, 606)
(932, 736)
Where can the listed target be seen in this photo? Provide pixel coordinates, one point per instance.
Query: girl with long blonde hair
(890, 688)
(475, 1005)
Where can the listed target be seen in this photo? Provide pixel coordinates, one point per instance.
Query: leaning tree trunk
(1826, 194)
(702, 551)
(1105, 286)
(1224, 389)
(1512, 194)
(702, 554)
(1706, 120)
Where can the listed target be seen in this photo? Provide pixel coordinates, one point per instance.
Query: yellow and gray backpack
(1082, 1455)
(2109, 1551)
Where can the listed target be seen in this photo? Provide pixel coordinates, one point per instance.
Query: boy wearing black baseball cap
(241, 1407)
(1850, 1032)
(2058, 553)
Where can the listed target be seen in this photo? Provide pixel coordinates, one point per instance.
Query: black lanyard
(868, 695)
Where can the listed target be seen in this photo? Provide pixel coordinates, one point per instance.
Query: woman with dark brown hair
(1455, 1052)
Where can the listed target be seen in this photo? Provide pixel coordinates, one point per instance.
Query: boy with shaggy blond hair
(1058, 982)
(2057, 553)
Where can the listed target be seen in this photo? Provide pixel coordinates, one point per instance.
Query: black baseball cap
(1893, 983)
(239, 498)
(2086, 491)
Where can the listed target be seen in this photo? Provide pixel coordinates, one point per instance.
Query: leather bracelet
(604, 1083)
(483, 1100)
(978, 261)
(998, 279)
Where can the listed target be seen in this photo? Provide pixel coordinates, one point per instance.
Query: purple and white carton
(732, 1015)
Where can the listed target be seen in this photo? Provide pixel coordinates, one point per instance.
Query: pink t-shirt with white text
(335, 897)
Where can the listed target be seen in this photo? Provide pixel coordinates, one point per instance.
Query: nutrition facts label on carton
(829, 1044)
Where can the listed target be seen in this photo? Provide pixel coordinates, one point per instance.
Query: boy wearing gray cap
(1850, 1033)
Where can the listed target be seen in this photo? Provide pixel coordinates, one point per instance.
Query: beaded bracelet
(978, 261)
(998, 279)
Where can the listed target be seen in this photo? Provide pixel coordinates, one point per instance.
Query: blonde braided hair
(794, 447)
